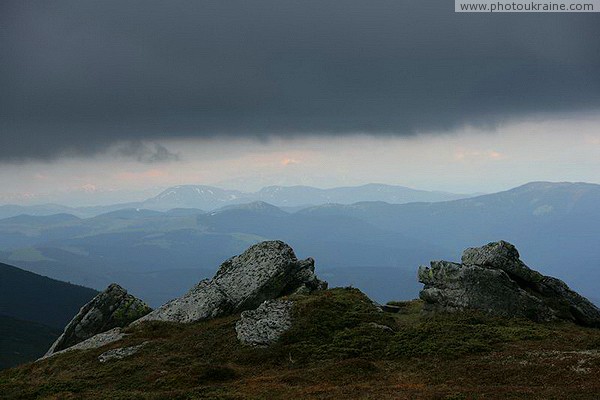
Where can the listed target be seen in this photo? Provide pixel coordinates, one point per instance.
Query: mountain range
(371, 245)
(210, 198)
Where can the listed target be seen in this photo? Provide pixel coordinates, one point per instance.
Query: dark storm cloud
(78, 76)
(145, 153)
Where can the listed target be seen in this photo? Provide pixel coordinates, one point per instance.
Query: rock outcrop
(264, 326)
(112, 308)
(98, 340)
(493, 279)
(120, 353)
(265, 271)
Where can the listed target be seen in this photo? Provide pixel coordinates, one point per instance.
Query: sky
(107, 101)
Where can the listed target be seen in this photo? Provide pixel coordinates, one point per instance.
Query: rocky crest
(112, 308)
(265, 271)
(493, 279)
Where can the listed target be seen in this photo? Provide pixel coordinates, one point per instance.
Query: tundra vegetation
(339, 346)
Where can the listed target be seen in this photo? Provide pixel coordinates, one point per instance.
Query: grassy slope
(333, 351)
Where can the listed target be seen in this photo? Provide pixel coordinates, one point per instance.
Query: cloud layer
(78, 77)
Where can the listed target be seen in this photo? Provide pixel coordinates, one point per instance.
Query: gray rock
(110, 309)
(265, 271)
(120, 353)
(264, 326)
(493, 279)
(453, 287)
(381, 327)
(99, 340)
(203, 301)
(568, 303)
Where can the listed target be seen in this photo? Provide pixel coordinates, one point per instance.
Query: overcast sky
(112, 100)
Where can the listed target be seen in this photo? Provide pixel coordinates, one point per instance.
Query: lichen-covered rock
(264, 326)
(110, 309)
(503, 256)
(453, 287)
(265, 271)
(120, 353)
(493, 279)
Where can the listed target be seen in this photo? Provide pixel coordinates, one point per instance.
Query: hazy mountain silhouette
(366, 244)
(211, 198)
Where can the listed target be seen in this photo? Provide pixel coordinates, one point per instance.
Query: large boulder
(454, 287)
(265, 271)
(112, 308)
(493, 279)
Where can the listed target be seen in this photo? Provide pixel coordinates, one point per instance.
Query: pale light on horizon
(465, 161)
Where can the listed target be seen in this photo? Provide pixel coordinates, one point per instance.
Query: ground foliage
(340, 346)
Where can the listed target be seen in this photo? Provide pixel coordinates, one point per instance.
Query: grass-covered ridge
(340, 346)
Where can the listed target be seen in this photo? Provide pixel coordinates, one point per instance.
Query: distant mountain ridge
(210, 198)
(557, 222)
(371, 245)
(195, 196)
